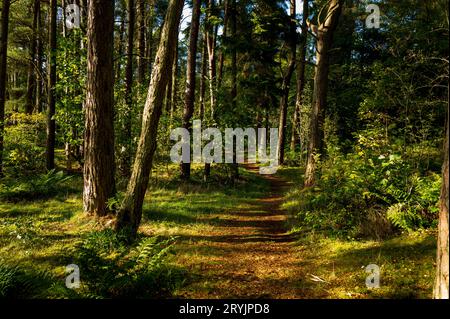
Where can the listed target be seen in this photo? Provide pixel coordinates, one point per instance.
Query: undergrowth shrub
(109, 268)
(25, 143)
(369, 192)
(41, 186)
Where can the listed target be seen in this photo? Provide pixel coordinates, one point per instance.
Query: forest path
(250, 255)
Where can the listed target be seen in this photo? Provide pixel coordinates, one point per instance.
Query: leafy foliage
(41, 186)
(109, 268)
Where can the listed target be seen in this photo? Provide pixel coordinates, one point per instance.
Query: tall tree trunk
(31, 81)
(131, 210)
(203, 79)
(170, 107)
(211, 45)
(211, 48)
(235, 165)
(125, 158)
(141, 60)
(150, 38)
(99, 183)
(38, 67)
(173, 96)
(442, 260)
(301, 65)
(189, 96)
(323, 46)
(3, 67)
(286, 84)
(51, 125)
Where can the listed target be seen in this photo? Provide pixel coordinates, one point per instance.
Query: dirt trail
(250, 255)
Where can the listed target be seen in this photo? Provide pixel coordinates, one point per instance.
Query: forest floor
(250, 255)
(230, 241)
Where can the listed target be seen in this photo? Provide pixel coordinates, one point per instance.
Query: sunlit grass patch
(406, 266)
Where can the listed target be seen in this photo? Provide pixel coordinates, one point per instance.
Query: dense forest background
(86, 175)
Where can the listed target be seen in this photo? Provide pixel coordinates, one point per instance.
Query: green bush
(368, 192)
(25, 143)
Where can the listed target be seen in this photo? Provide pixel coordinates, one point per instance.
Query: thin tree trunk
(141, 60)
(170, 108)
(38, 68)
(51, 125)
(150, 39)
(131, 210)
(211, 45)
(301, 64)
(125, 158)
(189, 96)
(3, 68)
(174, 91)
(99, 183)
(287, 83)
(235, 165)
(324, 42)
(442, 260)
(203, 79)
(31, 81)
(211, 48)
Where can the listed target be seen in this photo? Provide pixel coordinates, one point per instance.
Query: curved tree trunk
(130, 213)
(99, 183)
(323, 46)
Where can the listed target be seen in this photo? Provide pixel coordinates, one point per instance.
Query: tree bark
(129, 216)
(99, 183)
(189, 96)
(286, 84)
(442, 261)
(3, 68)
(301, 64)
(324, 43)
(51, 101)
